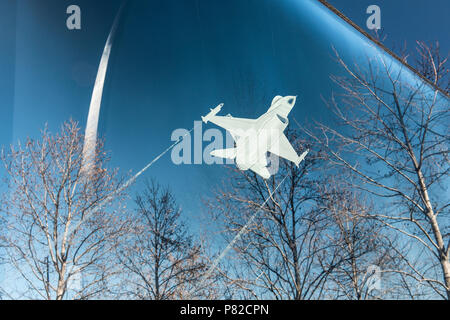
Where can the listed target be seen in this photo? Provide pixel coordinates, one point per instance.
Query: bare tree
(392, 133)
(358, 241)
(310, 240)
(60, 237)
(2, 249)
(433, 66)
(159, 257)
(276, 255)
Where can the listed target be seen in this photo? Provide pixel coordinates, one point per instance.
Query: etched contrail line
(130, 181)
(90, 136)
(238, 236)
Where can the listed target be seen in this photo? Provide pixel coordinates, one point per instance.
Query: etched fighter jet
(255, 137)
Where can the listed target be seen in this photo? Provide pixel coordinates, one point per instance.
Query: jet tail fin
(229, 153)
(261, 170)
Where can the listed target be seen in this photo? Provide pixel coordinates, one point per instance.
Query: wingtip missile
(302, 157)
(212, 113)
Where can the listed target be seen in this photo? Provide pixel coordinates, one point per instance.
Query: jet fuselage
(255, 137)
(254, 144)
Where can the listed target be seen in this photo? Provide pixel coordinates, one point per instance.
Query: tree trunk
(443, 258)
(61, 289)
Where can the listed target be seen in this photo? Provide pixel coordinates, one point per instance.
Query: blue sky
(404, 21)
(172, 60)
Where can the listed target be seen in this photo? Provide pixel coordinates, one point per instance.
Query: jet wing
(284, 150)
(236, 126)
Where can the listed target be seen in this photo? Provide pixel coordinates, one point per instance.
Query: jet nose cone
(291, 99)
